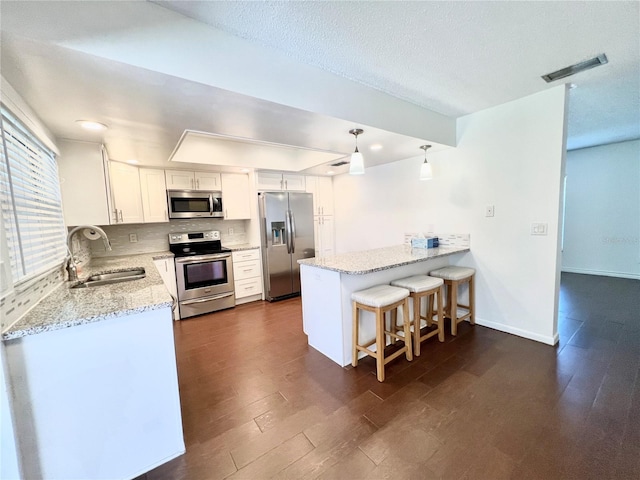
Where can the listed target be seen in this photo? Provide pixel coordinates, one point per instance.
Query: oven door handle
(189, 260)
(208, 299)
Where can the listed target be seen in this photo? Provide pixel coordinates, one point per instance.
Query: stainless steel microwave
(194, 204)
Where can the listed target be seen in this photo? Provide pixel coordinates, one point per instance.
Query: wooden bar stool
(380, 300)
(423, 286)
(454, 277)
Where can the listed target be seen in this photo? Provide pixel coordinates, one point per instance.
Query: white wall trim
(549, 340)
(603, 273)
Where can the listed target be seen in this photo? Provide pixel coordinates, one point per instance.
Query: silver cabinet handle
(115, 214)
(286, 185)
(192, 183)
(198, 184)
(121, 216)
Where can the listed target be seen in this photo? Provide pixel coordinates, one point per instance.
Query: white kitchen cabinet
(83, 183)
(324, 235)
(190, 180)
(125, 194)
(236, 198)
(167, 269)
(322, 190)
(154, 195)
(274, 182)
(247, 275)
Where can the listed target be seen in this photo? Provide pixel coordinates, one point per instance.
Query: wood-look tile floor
(257, 402)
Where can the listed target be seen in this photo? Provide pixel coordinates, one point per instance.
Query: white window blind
(30, 201)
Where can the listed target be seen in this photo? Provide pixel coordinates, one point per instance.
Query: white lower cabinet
(247, 275)
(167, 269)
(324, 235)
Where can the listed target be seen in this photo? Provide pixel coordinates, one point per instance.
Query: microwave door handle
(292, 223)
(210, 205)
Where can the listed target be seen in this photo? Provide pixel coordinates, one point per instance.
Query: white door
(207, 181)
(179, 180)
(271, 182)
(325, 194)
(154, 195)
(125, 189)
(235, 196)
(294, 182)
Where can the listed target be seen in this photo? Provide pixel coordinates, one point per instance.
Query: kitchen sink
(109, 278)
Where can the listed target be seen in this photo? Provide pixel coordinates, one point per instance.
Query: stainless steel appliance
(204, 273)
(286, 221)
(194, 204)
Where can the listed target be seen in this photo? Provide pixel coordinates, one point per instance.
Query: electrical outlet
(489, 211)
(538, 229)
(133, 238)
(230, 231)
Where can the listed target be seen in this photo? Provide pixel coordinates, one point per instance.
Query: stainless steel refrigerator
(286, 222)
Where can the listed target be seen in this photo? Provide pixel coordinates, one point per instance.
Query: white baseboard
(604, 273)
(519, 332)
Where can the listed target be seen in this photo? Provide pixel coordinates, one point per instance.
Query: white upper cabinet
(275, 182)
(154, 195)
(236, 200)
(125, 193)
(190, 180)
(83, 183)
(322, 190)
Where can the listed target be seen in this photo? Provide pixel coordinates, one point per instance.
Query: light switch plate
(538, 229)
(489, 211)
(133, 238)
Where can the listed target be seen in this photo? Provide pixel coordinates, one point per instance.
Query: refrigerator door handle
(287, 227)
(292, 223)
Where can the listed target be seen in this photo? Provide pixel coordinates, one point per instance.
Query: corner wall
(510, 156)
(602, 213)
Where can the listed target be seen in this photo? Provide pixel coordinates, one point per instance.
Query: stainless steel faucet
(72, 270)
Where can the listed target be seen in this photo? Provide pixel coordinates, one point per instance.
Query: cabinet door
(167, 270)
(125, 190)
(311, 186)
(294, 182)
(83, 184)
(270, 181)
(154, 195)
(324, 187)
(235, 196)
(326, 236)
(207, 181)
(179, 180)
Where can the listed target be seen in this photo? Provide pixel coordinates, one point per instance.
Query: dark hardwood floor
(257, 402)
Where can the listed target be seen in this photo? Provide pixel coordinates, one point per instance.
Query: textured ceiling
(459, 57)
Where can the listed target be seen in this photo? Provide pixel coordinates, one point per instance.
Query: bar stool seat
(454, 277)
(424, 286)
(380, 300)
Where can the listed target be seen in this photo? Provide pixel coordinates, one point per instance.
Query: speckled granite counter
(67, 307)
(369, 261)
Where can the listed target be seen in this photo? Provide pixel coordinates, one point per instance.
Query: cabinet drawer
(243, 255)
(249, 269)
(246, 288)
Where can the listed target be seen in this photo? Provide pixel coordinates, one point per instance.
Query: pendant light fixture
(356, 167)
(425, 170)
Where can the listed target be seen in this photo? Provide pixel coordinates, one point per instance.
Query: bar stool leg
(407, 328)
(355, 342)
(440, 314)
(416, 323)
(453, 286)
(380, 336)
(472, 300)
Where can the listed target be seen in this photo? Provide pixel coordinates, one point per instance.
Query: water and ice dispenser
(277, 233)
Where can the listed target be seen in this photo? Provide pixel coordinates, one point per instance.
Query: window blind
(31, 202)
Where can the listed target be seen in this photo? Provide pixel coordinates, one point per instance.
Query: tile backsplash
(153, 237)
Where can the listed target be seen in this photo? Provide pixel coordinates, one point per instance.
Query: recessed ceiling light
(375, 146)
(578, 67)
(244, 170)
(91, 125)
(132, 162)
(330, 172)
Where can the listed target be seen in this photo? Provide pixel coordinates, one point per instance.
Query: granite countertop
(67, 307)
(241, 246)
(369, 261)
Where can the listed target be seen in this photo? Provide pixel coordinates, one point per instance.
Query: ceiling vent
(339, 164)
(578, 67)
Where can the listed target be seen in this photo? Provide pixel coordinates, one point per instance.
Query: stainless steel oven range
(204, 273)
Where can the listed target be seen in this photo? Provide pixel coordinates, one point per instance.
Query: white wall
(510, 156)
(602, 216)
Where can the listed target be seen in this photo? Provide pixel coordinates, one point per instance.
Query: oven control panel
(194, 237)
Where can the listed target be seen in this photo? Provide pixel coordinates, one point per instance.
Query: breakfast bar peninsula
(328, 282)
